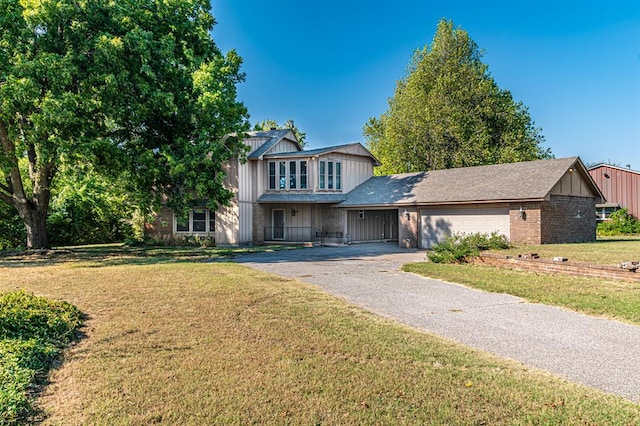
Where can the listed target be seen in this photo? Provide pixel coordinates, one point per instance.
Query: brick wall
(408, 233)
(568, 219)
(332, 219)
(558, 267)
(162, 226)
(526, 223)
(259, 222)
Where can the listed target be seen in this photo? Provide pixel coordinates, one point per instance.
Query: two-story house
(283, 193)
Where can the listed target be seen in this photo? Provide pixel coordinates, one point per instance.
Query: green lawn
(610, 251)
(192, 342)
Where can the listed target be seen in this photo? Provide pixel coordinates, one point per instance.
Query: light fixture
(522, 214)
(407, 215)
(294, 212)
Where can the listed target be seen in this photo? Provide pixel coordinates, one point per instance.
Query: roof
(611, 166)
(274, 136)
(302, 197)
(351, 148)
(531, 180)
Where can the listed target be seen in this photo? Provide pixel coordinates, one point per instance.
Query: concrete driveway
(593, 351)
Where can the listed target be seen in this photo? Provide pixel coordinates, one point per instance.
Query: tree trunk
(35, 221)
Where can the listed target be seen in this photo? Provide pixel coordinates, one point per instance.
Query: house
(282, 193)
(620, 187)
(286, 194)
(533, 202)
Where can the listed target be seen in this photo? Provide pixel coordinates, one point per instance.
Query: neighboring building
(285, 194)
(620, 187)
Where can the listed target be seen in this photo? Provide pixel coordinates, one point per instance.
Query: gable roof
(530, 181)
(355, 148)
(611, 166)
(272, 138)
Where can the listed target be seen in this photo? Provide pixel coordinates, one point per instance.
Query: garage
(372, 225)
(438, 223)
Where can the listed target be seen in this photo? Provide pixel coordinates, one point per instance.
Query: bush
(457, 248)
(620, 223)
(33, 330)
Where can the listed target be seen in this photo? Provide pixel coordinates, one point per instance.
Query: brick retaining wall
(558, 267)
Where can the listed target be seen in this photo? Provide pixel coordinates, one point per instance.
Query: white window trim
(333, 175)
(287, 175)
(209, 216)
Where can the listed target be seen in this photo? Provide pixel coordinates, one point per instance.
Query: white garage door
(439, 223)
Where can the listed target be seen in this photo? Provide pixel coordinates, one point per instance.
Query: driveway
(593, 351)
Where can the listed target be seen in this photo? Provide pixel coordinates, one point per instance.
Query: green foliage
(138, 89)
(620, 223)
(12, 233)
(457, 248)
(88, 208)
(32, 332)
(448, 112)
(289, 124)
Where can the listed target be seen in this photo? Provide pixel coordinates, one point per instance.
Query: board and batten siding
(619, 186)
(572, 183)
(355, 170)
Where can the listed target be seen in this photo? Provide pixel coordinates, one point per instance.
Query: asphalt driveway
(594, 351)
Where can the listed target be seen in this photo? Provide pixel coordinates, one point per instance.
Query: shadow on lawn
(116, 255)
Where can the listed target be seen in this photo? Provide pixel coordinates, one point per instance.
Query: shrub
(458, 248)
(33, 330)
(620, 223)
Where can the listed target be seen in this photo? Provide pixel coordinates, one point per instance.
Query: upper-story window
(303, 175)
(330, 175)
(285, 175)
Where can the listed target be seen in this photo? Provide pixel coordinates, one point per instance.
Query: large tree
(137, 88)
(447, 111)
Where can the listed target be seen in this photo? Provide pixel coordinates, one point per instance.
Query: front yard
(179, 341)
(594, 296)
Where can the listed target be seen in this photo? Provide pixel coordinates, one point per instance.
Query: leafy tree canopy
(447, 111)
(136, 88)
(289, 124)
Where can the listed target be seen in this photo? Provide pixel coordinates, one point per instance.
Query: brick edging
(550, 266)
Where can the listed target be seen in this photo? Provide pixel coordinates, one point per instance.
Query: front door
(277, 226)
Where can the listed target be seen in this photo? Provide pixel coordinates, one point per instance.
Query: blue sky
(330, 65)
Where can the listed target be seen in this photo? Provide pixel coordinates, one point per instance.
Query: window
(200, 220)
(292, 175)
(282, 178)
(272, 175)
(321, 174)
(288, 175)
(330, 175)
(303, 175)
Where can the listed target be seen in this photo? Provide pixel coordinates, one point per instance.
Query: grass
(594, 296)
(608, 251)
(218, 343)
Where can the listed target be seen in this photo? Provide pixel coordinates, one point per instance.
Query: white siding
(437, 223)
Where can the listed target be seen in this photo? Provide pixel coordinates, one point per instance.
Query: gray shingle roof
(302, 198)
(531, 180)
(274, 136)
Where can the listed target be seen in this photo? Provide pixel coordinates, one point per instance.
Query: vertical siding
(619, 186)
(376, 225)
(572, 183)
